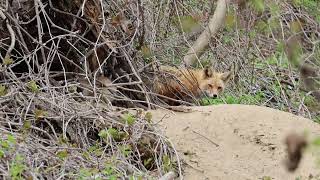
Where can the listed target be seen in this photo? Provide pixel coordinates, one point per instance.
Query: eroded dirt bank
(236, 141)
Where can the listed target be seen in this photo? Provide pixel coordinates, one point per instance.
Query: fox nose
(215, 96)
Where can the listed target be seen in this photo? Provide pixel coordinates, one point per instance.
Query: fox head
(213, 83)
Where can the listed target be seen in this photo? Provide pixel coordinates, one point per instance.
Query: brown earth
(237, 142)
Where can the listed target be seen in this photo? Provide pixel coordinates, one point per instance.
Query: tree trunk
(202, 43)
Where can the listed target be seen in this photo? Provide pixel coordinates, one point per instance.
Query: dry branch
(202, 43)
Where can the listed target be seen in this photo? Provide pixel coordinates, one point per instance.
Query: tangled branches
(60, 64)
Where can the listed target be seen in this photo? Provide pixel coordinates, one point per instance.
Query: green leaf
(103, 133)
(167, 163)
(148, 117)
(17, 167)
(129, 119)
(62, 154)
(86, 155)
(1, 153)
(26, 125)
(5, 145)
(7, 60)
(93, 148)
(147, 162)
(257, 5)
(3, 90)
(19, 158)
(16, 170)
(11, 139)
(98, 152)
(126, 150)
(114, 133)
(33, 87)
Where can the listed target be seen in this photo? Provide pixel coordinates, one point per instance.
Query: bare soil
(237, 142)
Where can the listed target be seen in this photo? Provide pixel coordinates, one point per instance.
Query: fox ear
(208, 72)
(226, 76)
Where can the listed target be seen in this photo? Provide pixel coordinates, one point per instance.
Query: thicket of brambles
(59, 120)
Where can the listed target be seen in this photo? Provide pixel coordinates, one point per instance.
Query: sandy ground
(236, 142)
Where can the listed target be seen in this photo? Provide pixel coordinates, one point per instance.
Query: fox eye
(219, 88)
(210, 85)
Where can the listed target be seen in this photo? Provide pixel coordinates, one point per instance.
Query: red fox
(187, 84)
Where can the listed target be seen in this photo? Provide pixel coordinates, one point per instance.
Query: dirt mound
(236, 141)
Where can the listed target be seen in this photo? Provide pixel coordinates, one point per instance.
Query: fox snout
(211, 94)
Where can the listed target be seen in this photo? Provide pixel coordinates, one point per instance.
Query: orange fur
(187, 83)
